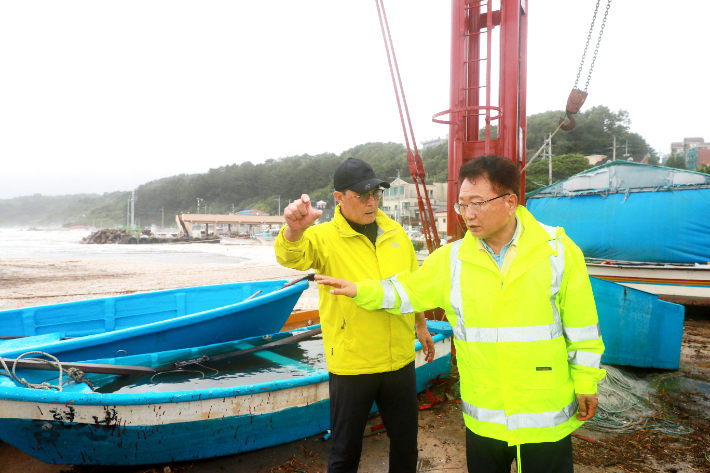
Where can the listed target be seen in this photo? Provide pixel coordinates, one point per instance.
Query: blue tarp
(665, 226)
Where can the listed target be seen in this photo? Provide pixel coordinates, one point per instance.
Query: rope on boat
(216, 372)
(625, 405)
(74, 374)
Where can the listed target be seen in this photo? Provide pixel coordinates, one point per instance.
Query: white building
(400, 201)
(435, 142)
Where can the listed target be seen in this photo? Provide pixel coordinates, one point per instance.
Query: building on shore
(694, 150)
(435, 142)
(400, 201)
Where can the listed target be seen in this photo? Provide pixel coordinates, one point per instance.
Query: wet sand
(26, 282)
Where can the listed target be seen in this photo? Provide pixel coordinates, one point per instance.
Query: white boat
(673, 282)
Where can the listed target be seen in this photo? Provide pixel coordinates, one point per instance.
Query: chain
(589, 37)
(596, 50)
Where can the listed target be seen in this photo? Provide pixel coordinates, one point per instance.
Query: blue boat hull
(147, 428)
(163, 320)
(85, 444)
(638, 329)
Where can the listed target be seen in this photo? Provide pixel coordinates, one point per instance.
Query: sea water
(67, 244)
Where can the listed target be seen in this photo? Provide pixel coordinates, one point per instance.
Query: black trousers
(487, 455)
(351, 399)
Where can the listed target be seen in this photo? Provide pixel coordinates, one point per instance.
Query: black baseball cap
(356, 175)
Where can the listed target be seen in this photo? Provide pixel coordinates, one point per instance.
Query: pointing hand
(300, 215)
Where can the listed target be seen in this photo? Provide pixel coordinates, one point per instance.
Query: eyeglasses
(474, 207)
(365, 198)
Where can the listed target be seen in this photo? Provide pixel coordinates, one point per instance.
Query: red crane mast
(482, 35)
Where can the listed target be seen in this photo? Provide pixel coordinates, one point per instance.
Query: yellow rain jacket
(526, 340)
(356, 341)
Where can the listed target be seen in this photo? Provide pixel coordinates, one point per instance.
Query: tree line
(271, 185)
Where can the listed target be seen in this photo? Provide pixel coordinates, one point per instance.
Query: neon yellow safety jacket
(356, 341)
(526, 341)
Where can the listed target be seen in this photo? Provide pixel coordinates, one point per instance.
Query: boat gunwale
(168, 324)
(23, 394)
(600, 262)
(138, 294)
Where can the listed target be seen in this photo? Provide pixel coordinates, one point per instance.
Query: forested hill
(239, 186)
(248, 185)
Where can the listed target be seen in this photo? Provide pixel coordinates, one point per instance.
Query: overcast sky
(98, 96)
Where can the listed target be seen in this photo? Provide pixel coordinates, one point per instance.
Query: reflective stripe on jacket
(356, 341)
(525, 342)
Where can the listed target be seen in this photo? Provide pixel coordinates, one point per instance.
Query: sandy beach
(87, 271)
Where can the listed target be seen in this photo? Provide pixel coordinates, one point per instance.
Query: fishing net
(628, 403)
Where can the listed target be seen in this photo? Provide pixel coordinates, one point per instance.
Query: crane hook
(570, 125)
(574, 103)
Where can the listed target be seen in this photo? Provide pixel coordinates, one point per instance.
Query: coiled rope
(74, 374)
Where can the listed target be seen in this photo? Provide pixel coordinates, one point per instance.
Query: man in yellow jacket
(370, 354)
(519, 300)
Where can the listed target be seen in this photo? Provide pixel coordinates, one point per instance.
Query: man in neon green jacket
(370, 354)
(519, 300)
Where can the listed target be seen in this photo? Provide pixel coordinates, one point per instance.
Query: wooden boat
(680, 283)
(150, 322)
(270, 398)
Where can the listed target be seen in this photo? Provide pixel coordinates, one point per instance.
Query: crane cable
(596, 49)
(577, 97)
(414, 160)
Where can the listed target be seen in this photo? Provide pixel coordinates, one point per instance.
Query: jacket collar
(534, 233)
(530, 244)
(384, 223)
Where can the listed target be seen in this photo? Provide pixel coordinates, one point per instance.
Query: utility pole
(614, 149)
(198, 205)
(279, 212)
(162, 212)
(133, 210)
(549, 157)
(128, 213)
